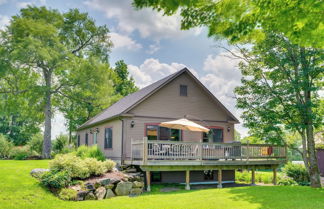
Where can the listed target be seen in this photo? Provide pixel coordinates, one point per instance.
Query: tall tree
(247, 21)
(57, 47)
(124, 84)
(280, 87)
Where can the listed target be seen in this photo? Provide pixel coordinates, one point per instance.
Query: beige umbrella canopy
(184, 124)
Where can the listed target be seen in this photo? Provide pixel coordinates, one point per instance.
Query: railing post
(144, 150)
(248, 151)
(201, 152)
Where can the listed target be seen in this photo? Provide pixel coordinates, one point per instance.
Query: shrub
(20, 153)
(297, 172)
(74, 165)
(5, 147)
(287, 181)
(90, 152)
(95, 167)
(67, 194)
(36, 143)
(55, 179)
(109, 165)
(61, 145)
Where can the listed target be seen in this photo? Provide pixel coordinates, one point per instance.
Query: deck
(188, 156)
(172, 153)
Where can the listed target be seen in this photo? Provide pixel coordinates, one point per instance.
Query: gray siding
(115, 152)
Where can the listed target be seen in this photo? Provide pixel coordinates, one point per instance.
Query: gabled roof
(130, 101)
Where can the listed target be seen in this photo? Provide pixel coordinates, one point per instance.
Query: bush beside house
(75, 176)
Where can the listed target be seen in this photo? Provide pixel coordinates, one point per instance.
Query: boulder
(90, 196)
(89, 186)
(110, 186)
(135, 191)
(81, 195)
(37, 172)
(123, 188)
(100, 193)
(104, 182)
(138, 184)
(109, 194)
(114, 181)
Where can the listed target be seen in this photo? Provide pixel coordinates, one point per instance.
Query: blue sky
(152, 45)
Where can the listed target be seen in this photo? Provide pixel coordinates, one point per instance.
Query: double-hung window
(108, 138)
(214, 135)
(155, 132)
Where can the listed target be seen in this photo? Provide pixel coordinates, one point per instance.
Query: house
(129, 133)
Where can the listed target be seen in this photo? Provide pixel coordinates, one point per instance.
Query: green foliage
(252, 140)
(16, 182)
(297, 172)
(90, 152)
(109, 165)
(36, 144)
(71, 164)
(287, 181)
(94, 166)
(124, 84)
(319, 146)
(21, 152)
(5, 147)
(248, 21)
(61, 145)
(67, 194)
(56, 179)
(260, 177)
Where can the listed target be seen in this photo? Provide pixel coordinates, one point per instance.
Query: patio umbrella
(184, 124)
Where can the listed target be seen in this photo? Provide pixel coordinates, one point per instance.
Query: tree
(247, 21)
(124, 84)
(55, 47)
(279, 92)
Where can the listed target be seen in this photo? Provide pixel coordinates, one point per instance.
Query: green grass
(19, 190)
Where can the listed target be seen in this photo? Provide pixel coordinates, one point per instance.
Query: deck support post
(187, 180)
(253, 176)
(219, 178)
(148, 181)
(274, 181)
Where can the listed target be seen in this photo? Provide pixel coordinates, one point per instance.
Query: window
(154, 132)
(95, 137)
(108, 138)
(86, 139)
(78, 141)
(183, 90)
(214, 135)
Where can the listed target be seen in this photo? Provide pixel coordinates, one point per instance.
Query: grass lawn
(19, 190)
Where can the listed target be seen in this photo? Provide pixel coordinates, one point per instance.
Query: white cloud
(123, 41)
(153, 48)
(152, 70)
(23, 4)
(147, 22)
(4, 20)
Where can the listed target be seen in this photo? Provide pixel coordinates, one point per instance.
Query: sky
(152, 45)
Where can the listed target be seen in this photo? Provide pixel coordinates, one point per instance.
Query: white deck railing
(145, 150)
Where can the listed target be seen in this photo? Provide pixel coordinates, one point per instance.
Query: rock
(90, 196)
(37, 172)
(97, 185)
(104, 182)
(123, 188)
(138, 184)
(110, 186)
(100, 193)
(135, 191)
(81, 195)
(114, 181)
(89, 186)
(109, 194)
(131, 170)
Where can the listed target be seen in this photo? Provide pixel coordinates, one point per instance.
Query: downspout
(122, 143)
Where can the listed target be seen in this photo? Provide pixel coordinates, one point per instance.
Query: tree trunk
(305, 154)
(313, 166)
(47, 144)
